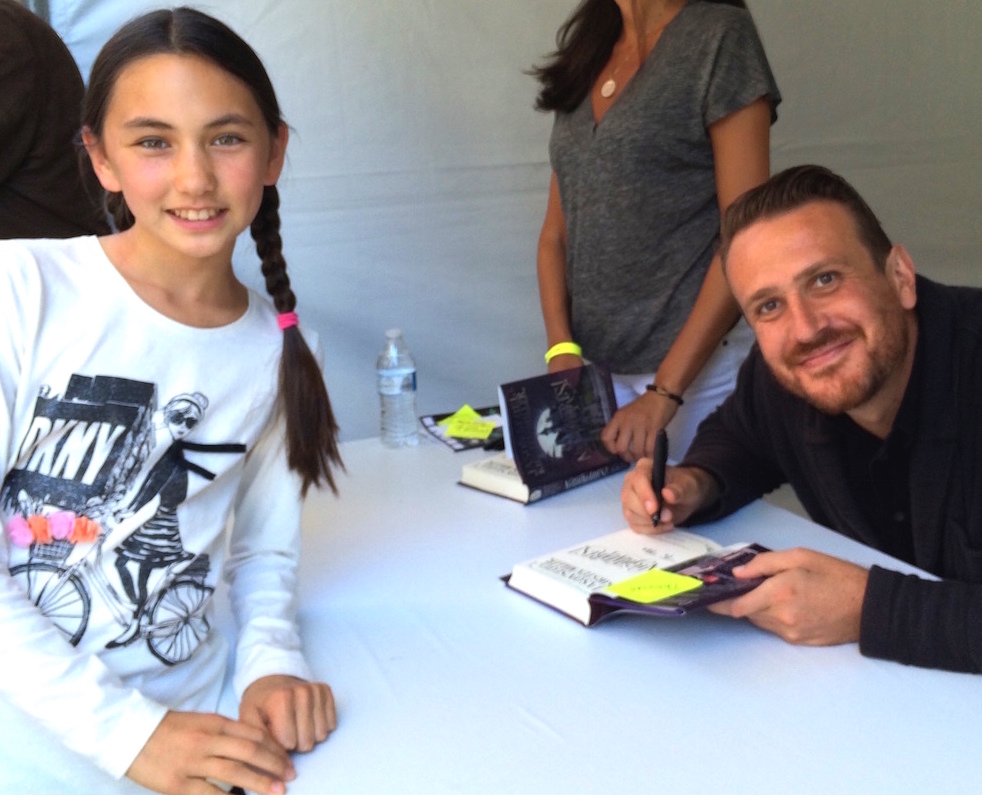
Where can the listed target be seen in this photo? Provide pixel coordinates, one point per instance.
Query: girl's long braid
(311, 429)
(310, 425)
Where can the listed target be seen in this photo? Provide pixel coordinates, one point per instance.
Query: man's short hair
(795, 187)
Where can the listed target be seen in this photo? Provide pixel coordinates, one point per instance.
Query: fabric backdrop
(418, 170)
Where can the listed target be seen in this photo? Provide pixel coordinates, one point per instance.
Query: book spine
(565, 484)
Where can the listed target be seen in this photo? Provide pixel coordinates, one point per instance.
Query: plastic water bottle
(397, 391)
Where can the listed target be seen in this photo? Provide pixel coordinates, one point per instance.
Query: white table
(448, 682)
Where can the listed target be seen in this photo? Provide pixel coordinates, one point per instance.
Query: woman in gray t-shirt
(662, 117)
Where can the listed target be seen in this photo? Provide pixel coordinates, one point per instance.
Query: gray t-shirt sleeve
(740, 73)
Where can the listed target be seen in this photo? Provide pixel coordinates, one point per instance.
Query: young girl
(148, 397)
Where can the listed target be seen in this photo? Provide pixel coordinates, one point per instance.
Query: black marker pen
(658, 472)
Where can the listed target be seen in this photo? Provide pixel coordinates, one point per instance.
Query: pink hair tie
(287, 319)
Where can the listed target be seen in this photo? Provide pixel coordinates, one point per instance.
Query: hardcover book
(551, 425)
(665, 575)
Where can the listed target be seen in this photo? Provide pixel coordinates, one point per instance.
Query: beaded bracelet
(563, 347)
(665, 393)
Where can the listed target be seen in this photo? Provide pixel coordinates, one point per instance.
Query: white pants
(714, 382)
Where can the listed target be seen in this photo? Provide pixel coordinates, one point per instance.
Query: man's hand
(299, 714)
(631, 431)
(188, 750)
(687, 490)
(808, 598)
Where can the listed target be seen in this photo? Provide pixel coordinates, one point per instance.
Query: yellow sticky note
(463, 428)
(466, 423)
(465, 412)
(653, 586)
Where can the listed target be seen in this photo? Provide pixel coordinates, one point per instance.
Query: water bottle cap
(392, 333)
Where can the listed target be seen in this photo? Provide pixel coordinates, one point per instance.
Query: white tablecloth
(448, 682)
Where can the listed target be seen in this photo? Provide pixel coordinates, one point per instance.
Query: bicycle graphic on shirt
(173, 623)
(104, 472)
(84, 452)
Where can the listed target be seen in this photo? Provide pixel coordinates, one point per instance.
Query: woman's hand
(631, 431)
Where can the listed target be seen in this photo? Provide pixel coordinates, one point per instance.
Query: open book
(552, 426)
(661, 575)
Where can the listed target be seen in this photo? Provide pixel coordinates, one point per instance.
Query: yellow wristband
(563, 347)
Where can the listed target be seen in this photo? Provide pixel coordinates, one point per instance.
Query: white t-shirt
(128, 442)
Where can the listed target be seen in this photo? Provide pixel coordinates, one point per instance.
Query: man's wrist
(707, 486)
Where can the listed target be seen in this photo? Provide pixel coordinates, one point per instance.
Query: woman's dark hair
(583, 47)
(794, 188)
(310, 425)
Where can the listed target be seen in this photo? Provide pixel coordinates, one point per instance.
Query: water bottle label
(397, 383)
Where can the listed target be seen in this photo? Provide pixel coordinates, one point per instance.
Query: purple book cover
(716, 572)
(554, 423)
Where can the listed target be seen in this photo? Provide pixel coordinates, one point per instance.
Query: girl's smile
(200, 221)
(196, 215)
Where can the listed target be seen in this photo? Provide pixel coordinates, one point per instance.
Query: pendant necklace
(609, 86)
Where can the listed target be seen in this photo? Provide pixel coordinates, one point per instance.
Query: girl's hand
(299, 714)
(189, 750)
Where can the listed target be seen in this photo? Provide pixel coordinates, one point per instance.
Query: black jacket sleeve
(930, 624)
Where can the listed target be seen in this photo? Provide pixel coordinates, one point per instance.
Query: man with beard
(864, 392)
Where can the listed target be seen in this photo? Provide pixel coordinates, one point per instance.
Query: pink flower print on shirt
(59, 526)
(19, 532)
(62, 523)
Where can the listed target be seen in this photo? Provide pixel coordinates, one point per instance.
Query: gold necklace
(609, 87)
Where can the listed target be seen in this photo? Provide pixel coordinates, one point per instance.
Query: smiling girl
(115, 521)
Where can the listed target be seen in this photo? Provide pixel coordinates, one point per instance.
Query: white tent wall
(418, 170)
